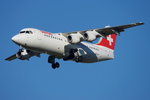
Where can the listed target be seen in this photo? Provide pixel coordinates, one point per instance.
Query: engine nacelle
(74, 38)
(89, 37)
(24, 54)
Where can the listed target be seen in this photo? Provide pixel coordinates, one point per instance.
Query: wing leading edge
(107, 30)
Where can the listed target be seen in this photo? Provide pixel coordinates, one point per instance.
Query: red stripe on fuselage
(46, 33)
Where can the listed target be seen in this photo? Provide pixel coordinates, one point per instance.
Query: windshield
(28, 32)
(22, 31)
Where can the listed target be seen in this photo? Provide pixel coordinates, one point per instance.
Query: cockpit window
(31, 32)
(22, 32)
(27, 32)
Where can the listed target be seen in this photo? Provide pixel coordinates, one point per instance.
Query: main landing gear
(51, 60)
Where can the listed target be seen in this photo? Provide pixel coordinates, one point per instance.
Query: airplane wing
(107, 30)
(11, 57)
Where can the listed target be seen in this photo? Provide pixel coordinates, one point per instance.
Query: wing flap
(118, 29)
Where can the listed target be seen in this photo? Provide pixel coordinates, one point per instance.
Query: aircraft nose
(15, 39)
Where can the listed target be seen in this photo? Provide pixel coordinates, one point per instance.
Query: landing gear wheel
(55, 65)
(51, 59)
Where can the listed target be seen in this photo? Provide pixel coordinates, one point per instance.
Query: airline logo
(109, 42)
(110, 39)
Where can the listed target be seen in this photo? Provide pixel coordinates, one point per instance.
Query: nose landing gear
(51, 60)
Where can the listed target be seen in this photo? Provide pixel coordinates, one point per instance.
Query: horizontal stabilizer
(11, 57)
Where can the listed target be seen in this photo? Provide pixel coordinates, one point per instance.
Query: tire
(53, 66)
(51, 59)
(57, 65)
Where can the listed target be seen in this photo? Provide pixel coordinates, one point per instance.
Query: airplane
(73, 46)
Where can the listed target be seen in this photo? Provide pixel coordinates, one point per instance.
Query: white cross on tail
(110, 40)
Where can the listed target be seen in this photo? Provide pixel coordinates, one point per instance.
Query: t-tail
(109, 34)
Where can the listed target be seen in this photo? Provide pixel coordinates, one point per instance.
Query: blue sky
(127, 77)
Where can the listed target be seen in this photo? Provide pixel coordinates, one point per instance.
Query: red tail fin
(109, 42)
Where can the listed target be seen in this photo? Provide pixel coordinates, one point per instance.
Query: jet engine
(90, 35)
(74, 38)
(24, 54)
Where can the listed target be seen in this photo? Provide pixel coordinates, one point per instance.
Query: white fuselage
(57, 45)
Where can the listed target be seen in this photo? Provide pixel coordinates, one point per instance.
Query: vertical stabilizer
(109, 42)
